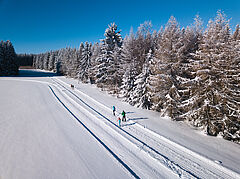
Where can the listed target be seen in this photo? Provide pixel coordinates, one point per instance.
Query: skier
(124, 116)
(119, 120)
(114, 109)
(72, 86)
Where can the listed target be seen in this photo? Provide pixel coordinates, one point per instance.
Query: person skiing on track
(124, 116)
(119, 120)
(114, 109)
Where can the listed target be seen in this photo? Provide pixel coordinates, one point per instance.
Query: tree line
(190, 74)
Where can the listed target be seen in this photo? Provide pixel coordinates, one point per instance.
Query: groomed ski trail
(124, 150)
(185, 160)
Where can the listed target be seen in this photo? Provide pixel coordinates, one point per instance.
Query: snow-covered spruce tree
(8, 59)
(75, 62)
(79, 57)
(156, 37)
(105, 76)
(68, 60)
(154, 79)
(186, 74)
(36, 61)
(85, 62)
(134, 52)
(1, 58)
(143, 43)
(236, 34)
(164, 92)
(128, 83)
(141, 96)
(158, 85)
(128, 65)
(46, 60)
(102, 63)
(41, 61)
(51, 61)
(96, 51)
(232, 92)
(58, 61)
(211, 95)
(65, 62)
(174, 71)
(119, 71)
(11, 56)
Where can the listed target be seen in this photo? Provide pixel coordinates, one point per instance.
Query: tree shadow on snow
(137, 118)
(129, 112)
(35, 73)
(123, 125)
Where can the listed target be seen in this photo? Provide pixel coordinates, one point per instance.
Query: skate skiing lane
(41, 140)
(196, 155)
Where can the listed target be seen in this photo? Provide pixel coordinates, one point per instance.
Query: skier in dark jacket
(114, 109)
(123, 116)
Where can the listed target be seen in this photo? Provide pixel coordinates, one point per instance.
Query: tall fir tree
(8, 59)
(166, 66)
(106, 61)
(141, 95)
(85, 62)
(128, 65)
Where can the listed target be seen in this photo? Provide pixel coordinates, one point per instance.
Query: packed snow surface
(50, 130)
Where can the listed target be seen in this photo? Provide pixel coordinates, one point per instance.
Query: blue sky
(38, 26)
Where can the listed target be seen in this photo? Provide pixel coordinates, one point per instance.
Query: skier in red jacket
(119, 120)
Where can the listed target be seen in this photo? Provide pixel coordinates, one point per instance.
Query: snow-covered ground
(49, 130)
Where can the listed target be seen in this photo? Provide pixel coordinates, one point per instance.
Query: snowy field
(49, 130)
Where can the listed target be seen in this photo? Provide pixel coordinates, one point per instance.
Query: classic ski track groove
(227, 171)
